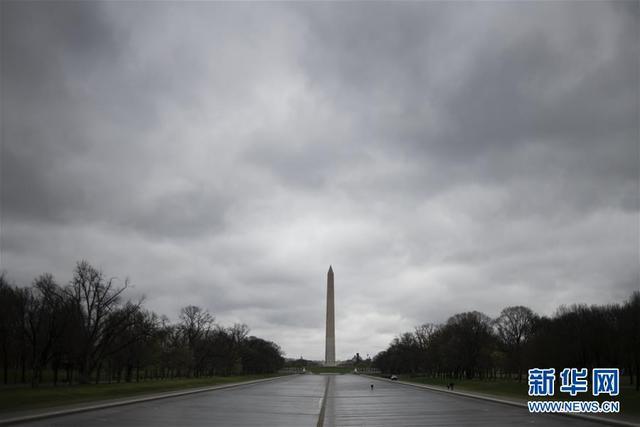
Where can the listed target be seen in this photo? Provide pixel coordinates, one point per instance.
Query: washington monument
(330, 344)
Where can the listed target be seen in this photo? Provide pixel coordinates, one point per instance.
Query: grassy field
(15, 399)
(629, 398)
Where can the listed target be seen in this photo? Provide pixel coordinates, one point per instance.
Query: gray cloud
(442, 156)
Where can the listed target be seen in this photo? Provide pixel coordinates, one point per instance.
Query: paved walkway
(292, 401)
(300, 401)
(351, 402)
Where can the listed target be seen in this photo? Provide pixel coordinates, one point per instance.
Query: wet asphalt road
(297, 401)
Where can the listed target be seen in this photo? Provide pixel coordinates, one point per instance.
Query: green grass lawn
(511, 389)
(16, 399)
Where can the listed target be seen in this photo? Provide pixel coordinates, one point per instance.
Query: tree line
(86, 331)
(472, 345)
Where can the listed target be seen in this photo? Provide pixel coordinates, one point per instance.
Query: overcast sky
(443, 157)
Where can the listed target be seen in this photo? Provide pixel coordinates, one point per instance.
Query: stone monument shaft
(330, 343)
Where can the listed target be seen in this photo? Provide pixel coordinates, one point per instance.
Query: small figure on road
(450, 386)
(372, 387)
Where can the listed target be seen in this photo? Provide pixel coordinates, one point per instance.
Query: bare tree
(9, 324)
(631, 335)
(425, 339)
(97, 302)
(424, 334)
(514, 326)
(196, 324)
(238, 334)
(470, 342)
(45, 321)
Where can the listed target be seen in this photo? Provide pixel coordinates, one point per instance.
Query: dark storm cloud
(561, 87)
(442, 156)
(34, 38)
